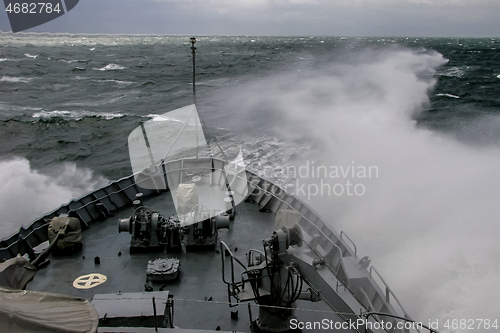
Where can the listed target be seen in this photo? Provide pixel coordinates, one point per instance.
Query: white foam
(157, 117)
(76, 115)
(30, 56)
(27, 194)
(15, 79)
(117, 81)
(110, 67)
(448, 95)
(453, 71)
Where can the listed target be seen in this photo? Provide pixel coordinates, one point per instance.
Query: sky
(401, 18)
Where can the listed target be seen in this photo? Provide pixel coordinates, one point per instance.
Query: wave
(110, 67)
(148, 83)
(101, 100)
(76, 115)
(7, 106)
(31, 56)
(434, 193)
(54, 87)
(162, 117)
(72, 61)
(453, 71)
(447, 95)
(41, 114)
(13, 79)
(80, 77)
(116, 81)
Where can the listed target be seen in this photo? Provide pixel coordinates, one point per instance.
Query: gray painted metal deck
(200, 272)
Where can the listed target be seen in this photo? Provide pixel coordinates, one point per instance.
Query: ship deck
(200, 296)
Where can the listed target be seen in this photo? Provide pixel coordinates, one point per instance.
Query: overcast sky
(420, 18)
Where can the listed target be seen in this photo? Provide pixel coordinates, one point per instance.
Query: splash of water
(28, 194)
(429, 220)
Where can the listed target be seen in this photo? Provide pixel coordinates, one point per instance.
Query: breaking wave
(12, 79)
(75, 115)
(110, 67)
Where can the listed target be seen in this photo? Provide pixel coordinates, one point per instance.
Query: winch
(152, 232)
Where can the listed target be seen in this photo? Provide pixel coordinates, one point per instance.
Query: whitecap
(157, 117)
(447, 95)
(50, 114)
(15, 79)
(75, 115)
(117, 81)
(30, 56)
(110, 67)
(453, 71)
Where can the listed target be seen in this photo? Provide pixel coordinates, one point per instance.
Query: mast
(202, 124)
(193, 52)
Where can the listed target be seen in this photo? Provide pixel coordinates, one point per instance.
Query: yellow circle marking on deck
(89, 281)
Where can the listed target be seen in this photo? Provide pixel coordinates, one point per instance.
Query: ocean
(396, 141)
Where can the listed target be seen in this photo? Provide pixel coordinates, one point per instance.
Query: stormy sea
(395, 141)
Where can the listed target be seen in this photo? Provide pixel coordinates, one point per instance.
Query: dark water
(425, 111)
(76, 98)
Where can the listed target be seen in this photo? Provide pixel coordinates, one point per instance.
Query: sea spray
(28, 194)
(429, 221)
